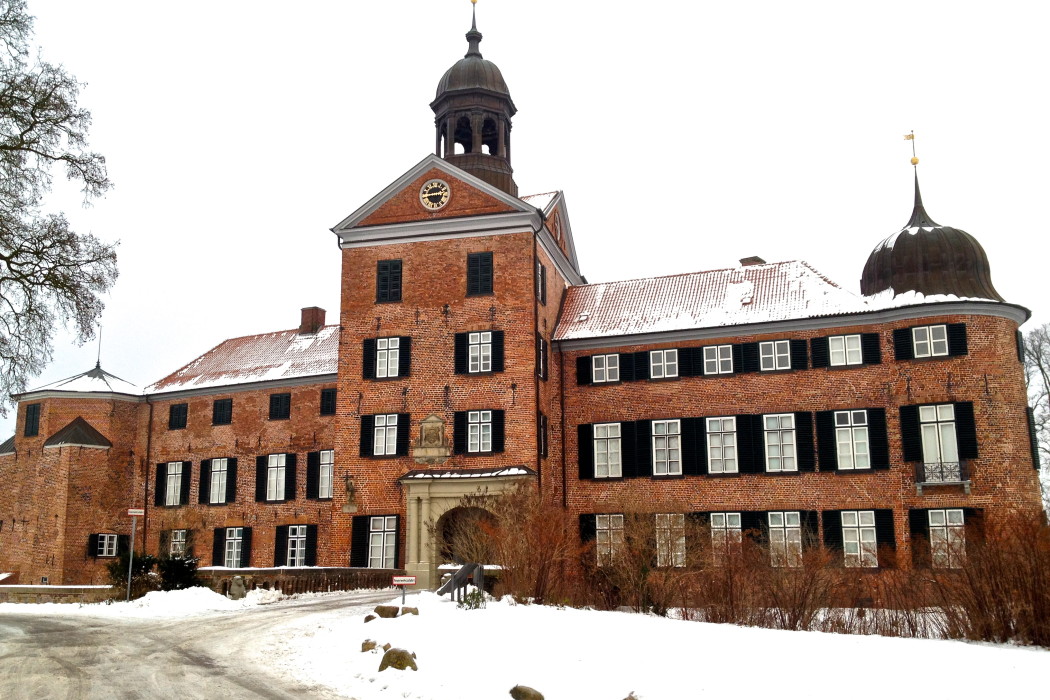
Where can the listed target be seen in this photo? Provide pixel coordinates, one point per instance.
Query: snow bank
(157, 604)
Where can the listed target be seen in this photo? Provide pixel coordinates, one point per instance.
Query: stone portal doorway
(464, 535)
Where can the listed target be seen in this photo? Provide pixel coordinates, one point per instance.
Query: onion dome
(928, 258)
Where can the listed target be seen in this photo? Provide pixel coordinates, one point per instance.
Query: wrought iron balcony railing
(936, 473)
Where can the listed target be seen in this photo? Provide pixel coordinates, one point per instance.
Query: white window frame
(479, 352)
(234, 546)
(219, 471)
(722, 456)
(608, 458)
(479, 431)
(325, 473)
(388, 357)
(667, 447)
(852, 442)
(382, 541)
(384, 436)
(107, 545)
(718, 359)
(670, 539)
(774, 355)
(785, 538)
(541, 361)
(275, 474)
(173, 490)
(947, 537)
(663, 364)
(940, 438)
(780, 439)
(296, 545)
(726, 531)
(177, 544)
(845, 350)
(859, 541)
(930, 341)
(608, 535)
(605, 368)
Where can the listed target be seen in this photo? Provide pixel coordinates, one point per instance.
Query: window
(479, 273)
(479, 435)
(328, 402)
(107, 545)
(779, 431)
(930, 341)
(667, 455)
(541, 356)
(663, 364)
(177, 548)
(296, 545)
(845, 350)
(222, 412)
(177, 416)
(280, 406)
(858, 538)
(725, 531)
(541, 283)
(387, 357)
(324, 483)
(940, 446)
(173, 484)
(721, 446)
(385, 437)
(382, 542)
(388, 281)
(947, 538)
(605, 368)
(479, 349)
(670, 539)
(608, 537)
(219, 473)
(718, 359)
(851, 438)
(541, 436)
(32, 425)
(275, 477)
(607, 462)
(234, 547)
(774, 355)
(785, 538)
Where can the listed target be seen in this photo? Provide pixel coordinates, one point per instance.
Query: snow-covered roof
(258, 358)
(540, 201)
(475, 473)
(96, 380)
(735, 296)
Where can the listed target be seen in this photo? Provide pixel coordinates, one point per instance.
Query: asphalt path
(199, 657)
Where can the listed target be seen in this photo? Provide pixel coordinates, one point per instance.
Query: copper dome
(929, 258)
(472, 72)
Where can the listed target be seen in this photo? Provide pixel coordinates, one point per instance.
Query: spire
(473, 36)
(919, 217)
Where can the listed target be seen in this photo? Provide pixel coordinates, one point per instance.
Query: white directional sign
(136, 512)
(404, 581)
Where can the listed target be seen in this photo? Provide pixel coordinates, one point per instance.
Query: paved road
(82, 658)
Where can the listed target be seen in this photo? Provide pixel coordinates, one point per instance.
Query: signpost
(134, 513)
(404, 581)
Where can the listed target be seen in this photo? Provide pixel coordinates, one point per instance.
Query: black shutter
(686, 365)
(313, 474)
(359, 541)
(827, 444)
(643, 448)
(368, 359)
(460, 353)
(628, 449)
(583, 370)
(808, 520)
(289, 477)
(498, 431)
(833, 530)
(218, 547)
(973, 522)
(804, 441)
(397, 541)
(92, 550)
(473, 274)
(382, 280)
(205, 482)
(585, 450)
(870, 349)
(627, 367)
(161, 492)
(799, 360)
(404, 434)
(1020, 346)
(641, 365)
(246, 547)
(902, 345)
(260, 478)
(497, 351)
(1033, 441)
(404, 357)
(395, 281)
(820, 351)
(911, 435)
(966, 430)
(755, 525)
(588, 527)
(745, 447)
(280, 546)
(184, 483)
(738, 359)
(311, 545)
(486, 273)
(749, 357)
(919, 527)
(957, 339)
(758, 443)
(123, 544)
(694, 460)
(884, 535)
(878, 439)
(459, 432)
(368, 435)
(231, 480)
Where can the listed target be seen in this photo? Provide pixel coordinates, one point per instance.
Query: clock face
(434, 194)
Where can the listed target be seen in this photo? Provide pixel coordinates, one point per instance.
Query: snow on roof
(258, 358)
(715, 298)
(890, 299)
(96, 380)
(476, 473)
(540, 201)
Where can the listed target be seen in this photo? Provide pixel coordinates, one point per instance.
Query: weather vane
(907, 137)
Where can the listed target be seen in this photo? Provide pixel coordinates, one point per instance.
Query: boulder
(369, 618)
(524, 692)
(386, 611)
(386, 647)
(368, 645)
(399, 659)
(409, 611)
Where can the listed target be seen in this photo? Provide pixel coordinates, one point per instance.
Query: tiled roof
(540, 201)
(78, 433)
(730, 297)
(258, 358)
(8, 446)
(96, 380)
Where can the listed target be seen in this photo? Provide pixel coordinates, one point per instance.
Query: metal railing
(457, 584)
(937, 473)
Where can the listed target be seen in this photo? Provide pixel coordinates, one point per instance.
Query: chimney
(753, 260)
(312, 320)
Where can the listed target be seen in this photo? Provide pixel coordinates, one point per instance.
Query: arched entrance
(465, 535)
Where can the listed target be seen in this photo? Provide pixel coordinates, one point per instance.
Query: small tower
(472, 117)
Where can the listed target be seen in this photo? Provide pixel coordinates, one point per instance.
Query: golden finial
(473, 2)
(911, 137)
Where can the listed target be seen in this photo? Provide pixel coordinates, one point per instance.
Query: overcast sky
(686, 135)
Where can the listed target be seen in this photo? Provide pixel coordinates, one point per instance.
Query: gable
(79, 433)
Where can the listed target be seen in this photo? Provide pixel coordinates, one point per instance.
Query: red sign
(136, 511)
(404, 581)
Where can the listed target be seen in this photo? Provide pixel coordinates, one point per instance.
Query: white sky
(686, 135)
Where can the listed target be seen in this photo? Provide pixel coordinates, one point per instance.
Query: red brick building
(471, 355)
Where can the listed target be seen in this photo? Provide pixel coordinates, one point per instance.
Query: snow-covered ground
(582, 654)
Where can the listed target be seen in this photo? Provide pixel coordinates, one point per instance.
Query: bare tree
(1037, 376)
(48, 272)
